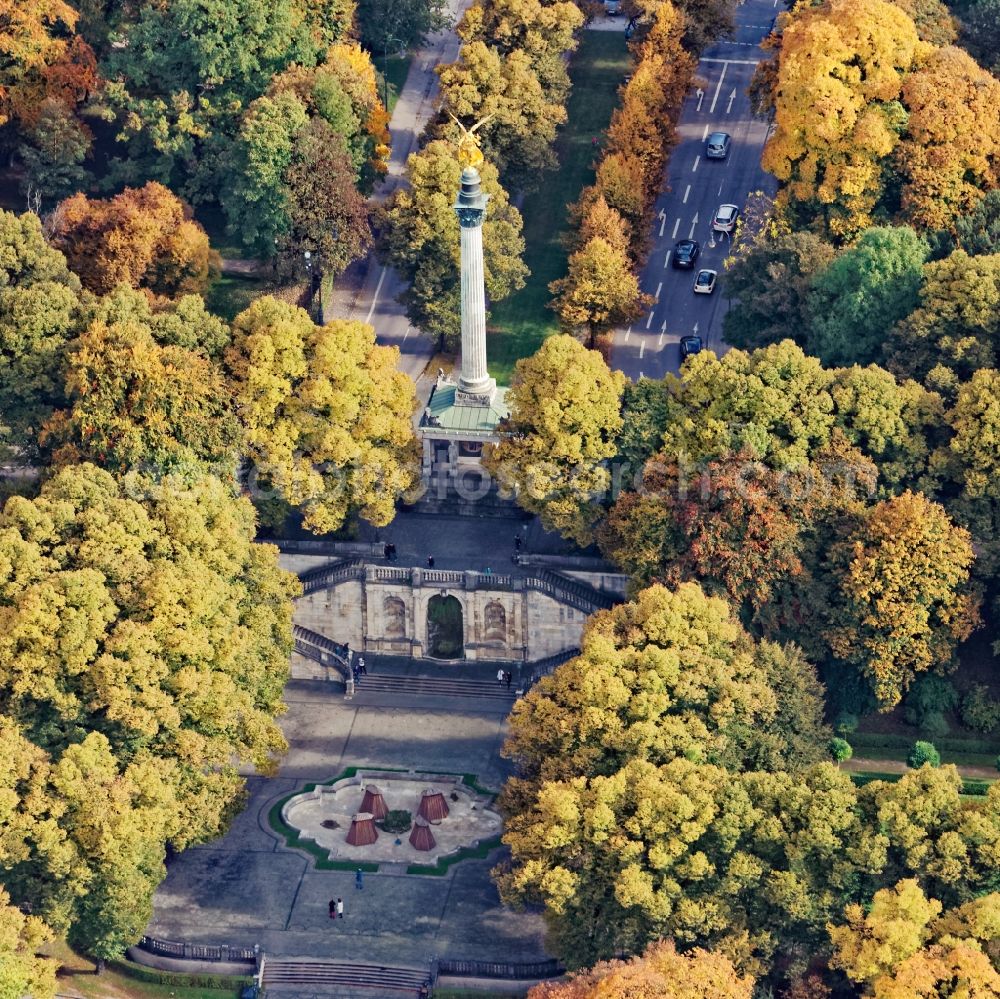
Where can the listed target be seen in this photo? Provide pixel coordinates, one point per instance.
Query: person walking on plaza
(333, 909)
(500, 676)
(430, 561)
(517, 542)
(507, 677)
(340, 908)
(362, 668)
(359, 880)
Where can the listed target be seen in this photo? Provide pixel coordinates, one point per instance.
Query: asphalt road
(694, 189)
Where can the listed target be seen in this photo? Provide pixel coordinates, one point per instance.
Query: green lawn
(230, 294)
(519, 324)
(392, 75)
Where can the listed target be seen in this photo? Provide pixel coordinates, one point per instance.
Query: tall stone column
(475, 387)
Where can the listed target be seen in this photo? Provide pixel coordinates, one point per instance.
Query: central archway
(445, 629)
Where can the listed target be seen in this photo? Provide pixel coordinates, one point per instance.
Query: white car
(725, 218)
(704, 283)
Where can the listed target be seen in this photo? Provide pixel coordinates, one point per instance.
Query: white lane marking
(677, 226)
(627, 332)
(649, 321)
(704, 135)
(666, 259)
(407, 333)
(697, 160)
(734, 62)
(659, 287)
(378, 288)
(715, 96)
(687, 191)
(642, 349)
(720, 190)
(640, 374)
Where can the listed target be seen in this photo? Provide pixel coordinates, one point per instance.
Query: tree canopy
(565, 413)
(326, 415)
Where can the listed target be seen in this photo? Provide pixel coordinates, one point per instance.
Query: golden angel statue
(469, 153)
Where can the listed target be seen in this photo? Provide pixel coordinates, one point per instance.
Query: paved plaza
(249, 888)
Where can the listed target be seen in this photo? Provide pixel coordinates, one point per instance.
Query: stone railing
(198, 952)
(321, 649)
(501, 969)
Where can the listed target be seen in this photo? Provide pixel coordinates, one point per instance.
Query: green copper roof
(470, 420)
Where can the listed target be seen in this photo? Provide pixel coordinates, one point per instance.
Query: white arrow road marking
(715, 96)
(663, 221)
(378, 288)
(694, 222)
(663, 331)
(701, 93)
(696, 160)
(687, 191)
(666, 259)
(677, 226)
(642, 348)
(732, 97)
(695, 327)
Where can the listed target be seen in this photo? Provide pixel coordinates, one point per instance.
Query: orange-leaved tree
(144, 237)
(661, 972)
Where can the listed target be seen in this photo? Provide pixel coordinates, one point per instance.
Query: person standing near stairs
(340, 908)
(500, 676)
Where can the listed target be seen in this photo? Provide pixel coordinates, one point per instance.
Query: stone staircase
(433, 686)
(309, 977)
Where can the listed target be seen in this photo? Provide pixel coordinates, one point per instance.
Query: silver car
(717, 146)
(725, 218)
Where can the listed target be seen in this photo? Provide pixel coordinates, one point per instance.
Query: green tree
(644, 418)
(40, 312)
(900, 597)
(898, 424)
(54, 153)
(386, 26)
(565, 413)
(255, 197)
(979, 231)
(771, 283)
(326, 415)
(423, 241)
(840, 750)
(182, 74)
(859, 297)
(773, 403)
(923, 753)
(955, 330)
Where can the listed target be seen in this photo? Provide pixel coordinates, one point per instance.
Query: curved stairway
(312, 977)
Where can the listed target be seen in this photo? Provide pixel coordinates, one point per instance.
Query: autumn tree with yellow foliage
(553, 452)
(327, 417)
(838, 115)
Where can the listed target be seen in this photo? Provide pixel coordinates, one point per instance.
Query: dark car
(685, 253)
(717, 146)
(690, 345)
